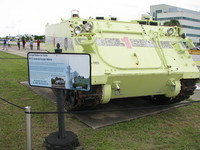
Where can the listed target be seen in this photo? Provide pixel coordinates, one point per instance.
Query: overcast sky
(30, 16)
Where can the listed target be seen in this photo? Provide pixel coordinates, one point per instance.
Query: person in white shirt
(31, 44)
(8, 43)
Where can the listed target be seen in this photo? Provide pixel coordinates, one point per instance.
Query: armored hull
(128, 59)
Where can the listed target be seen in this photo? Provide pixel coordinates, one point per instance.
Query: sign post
(60, 106)
(59, 71)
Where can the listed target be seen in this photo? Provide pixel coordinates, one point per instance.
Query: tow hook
(116, 87)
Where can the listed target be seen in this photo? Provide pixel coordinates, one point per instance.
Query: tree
(172, 22)
(39, 37)
(27, 37)
(23, 38)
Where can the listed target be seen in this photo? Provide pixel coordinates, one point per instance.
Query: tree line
(34, 37)
(172, 22)
(26, 37)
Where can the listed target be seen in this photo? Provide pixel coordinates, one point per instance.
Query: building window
(190, 27)
(192, 35)
(178, 18)
(158, 11)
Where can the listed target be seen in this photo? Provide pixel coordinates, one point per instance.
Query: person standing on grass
(5, 44)
(9, 43)
(23, 43)
(31, 44)
(38, 44)
(18, 44)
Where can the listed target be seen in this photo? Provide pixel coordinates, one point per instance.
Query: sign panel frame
(69, 71)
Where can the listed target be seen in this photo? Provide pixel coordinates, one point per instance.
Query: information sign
(64, 71)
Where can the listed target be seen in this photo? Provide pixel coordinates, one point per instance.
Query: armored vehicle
(128, 59)
(80, 82)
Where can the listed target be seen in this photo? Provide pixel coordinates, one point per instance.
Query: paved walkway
(21, 52)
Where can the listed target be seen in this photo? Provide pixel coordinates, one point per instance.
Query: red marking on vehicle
(127, 42)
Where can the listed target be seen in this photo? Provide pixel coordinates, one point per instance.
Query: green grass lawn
(178, 129)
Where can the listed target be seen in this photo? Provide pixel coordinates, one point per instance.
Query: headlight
(183, 35)
(88, 26)
(77, 29)
(170, 31)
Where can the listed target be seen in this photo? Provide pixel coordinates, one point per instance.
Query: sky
(31, 16)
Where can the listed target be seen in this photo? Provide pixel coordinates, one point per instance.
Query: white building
(189, 19)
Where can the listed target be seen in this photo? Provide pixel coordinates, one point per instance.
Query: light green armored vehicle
(128, 59)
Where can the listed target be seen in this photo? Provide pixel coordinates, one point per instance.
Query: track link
(81, 100)
(187, 89)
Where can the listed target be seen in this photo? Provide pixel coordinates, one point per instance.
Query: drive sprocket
(81, 100)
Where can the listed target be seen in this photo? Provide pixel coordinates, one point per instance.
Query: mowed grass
(178, 129)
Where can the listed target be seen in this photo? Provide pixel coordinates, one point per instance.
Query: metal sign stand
(60, 106)
(61, 140)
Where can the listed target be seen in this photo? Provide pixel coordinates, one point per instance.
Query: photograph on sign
(64, 71)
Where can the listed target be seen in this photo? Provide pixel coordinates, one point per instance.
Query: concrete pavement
(22, 52)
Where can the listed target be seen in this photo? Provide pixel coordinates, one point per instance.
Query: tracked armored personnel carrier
(128, 59)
